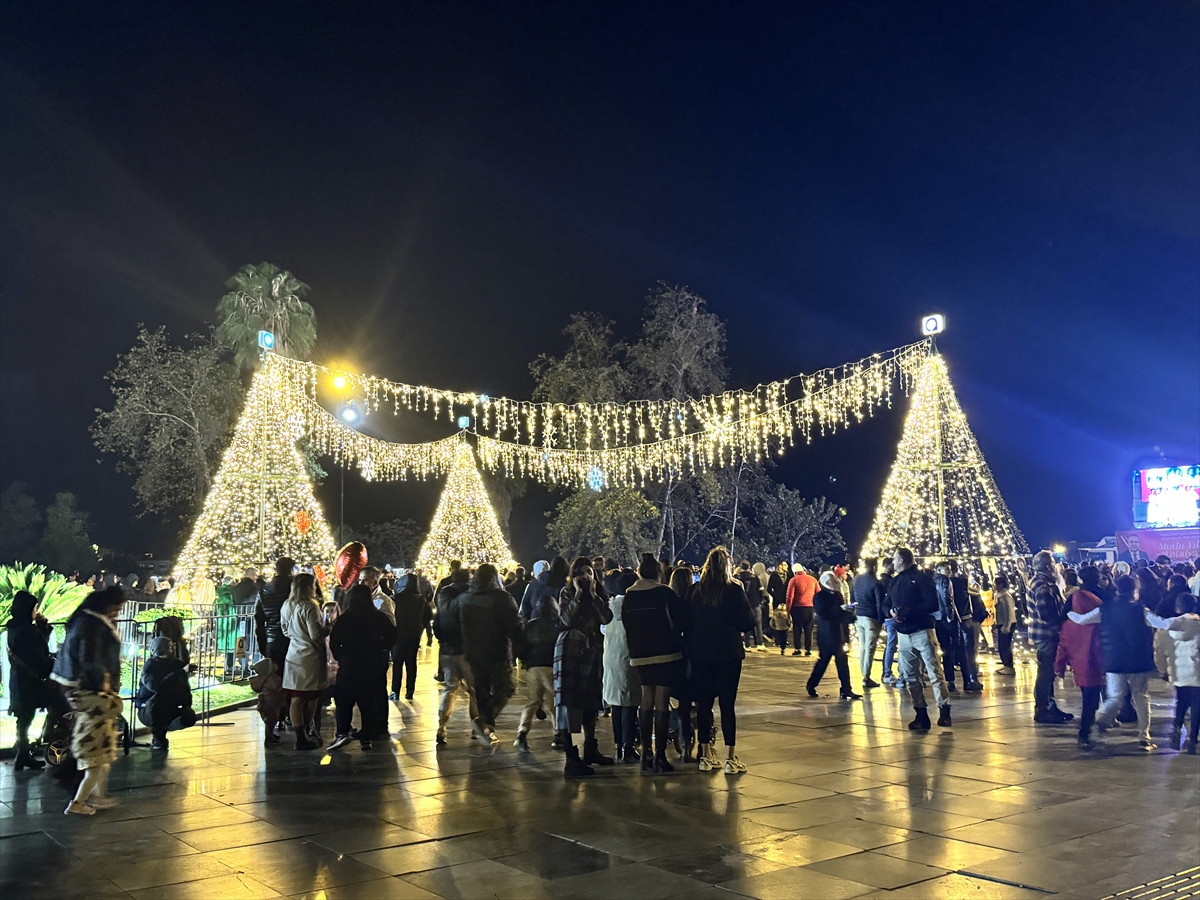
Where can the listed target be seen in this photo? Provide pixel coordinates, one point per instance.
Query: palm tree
(266, 298)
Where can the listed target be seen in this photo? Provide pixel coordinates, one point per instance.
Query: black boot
(662, 723)
(562, 740)
(921, 722)
(645, 729)
(26, 760)
(629, 754)
(592, 754)
(944, 718)
(574, 766)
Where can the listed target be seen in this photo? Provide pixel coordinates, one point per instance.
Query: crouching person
(164, 697)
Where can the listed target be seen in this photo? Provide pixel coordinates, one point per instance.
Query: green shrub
(57, 597)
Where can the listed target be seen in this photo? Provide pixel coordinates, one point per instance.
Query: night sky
(453, 180)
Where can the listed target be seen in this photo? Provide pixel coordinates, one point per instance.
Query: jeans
(1091, 703)
(889, 649)
(1115, 685)
(920, 650)
(949, 639)
(625, 725)
(754, 638)
(456, 676)
(493, 682)
(868, 638)
(843, 670)
(970, 649)
(1043, 685)
(802, 623)
(1004, 647)
(1188, 698)
(539, 690)
(718, 681)
(404, 658)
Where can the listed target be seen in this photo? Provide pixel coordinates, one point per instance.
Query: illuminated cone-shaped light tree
(940, 499)
(261, 505)
(464, 526)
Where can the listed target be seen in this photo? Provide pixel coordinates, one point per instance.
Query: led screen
(1167, 497)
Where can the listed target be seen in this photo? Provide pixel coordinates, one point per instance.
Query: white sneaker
(103, 802)
(1006, 670)
(709, 764)
(761, 648)
(79, 809)
(734, 766)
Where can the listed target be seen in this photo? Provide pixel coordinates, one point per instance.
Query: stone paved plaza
(840, 801)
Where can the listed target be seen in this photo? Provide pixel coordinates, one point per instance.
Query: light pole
(350, 415)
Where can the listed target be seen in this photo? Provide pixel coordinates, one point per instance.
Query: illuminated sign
(933, 324)
(1166, 498)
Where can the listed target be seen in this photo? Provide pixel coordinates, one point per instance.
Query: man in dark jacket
(456, 674)
(413, 614)
(966, 638)
(516, 587)
(488, 620)
(871, 609)
(946, 623)
(914, 600)
(536, 652)
(358, 641)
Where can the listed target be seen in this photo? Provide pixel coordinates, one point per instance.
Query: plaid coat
(1047, 608)
(579, 653)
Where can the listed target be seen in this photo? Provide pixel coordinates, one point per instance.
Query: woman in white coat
(622, 688)
(305, 665)
(1179, 651)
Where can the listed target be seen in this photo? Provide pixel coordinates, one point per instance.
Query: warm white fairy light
(940, 499)
(261, 505)
(464, 526)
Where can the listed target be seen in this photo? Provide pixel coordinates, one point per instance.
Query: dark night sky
(454, 180)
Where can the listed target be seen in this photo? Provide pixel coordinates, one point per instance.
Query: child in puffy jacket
(1079, 647)
(781, 621)
(267, 682)
(1180, 652)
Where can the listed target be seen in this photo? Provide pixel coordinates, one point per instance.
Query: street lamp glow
(349, 415)
(339, 382)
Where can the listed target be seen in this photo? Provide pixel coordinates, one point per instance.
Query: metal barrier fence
(220, 651)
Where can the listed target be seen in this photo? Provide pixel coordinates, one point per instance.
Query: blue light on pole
(266, 340)
(464, 422)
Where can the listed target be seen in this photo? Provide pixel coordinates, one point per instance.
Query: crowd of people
(653, 647)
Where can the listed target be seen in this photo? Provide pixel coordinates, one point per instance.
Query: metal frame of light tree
(940, 499)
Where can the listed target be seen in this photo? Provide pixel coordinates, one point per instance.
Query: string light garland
(464, 526)
(819, 402)
(261, 505)
(940, 499)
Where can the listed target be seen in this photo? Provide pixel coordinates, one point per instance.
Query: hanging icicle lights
(631, 443)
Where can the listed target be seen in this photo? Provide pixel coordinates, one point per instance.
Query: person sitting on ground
(164, 697)
(267, 682)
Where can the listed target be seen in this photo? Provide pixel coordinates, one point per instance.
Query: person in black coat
(714, 618)
(30, 662)
(359, 637)
(832, 615)
(871, 611)
(272, 642)
(488, 619)
(164, 698)
(413, 615)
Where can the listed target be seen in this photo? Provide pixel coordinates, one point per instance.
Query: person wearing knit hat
(832, 614)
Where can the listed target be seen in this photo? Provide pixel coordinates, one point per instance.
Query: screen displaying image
(1167, 497)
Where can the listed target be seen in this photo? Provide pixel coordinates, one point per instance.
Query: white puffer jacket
(1177, 648)
(622, 687)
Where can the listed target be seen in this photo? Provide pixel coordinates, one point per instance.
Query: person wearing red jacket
(800, 592)
(1079, 647)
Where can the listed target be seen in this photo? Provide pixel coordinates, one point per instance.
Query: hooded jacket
(412, 612)
(541, 589)
(359, 637)
(90, 656)
(1079, 646)
(488, 620)
(1179, 647)
(29, 657)
(164, 694)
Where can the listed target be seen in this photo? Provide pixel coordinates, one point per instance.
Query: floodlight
(934, 323)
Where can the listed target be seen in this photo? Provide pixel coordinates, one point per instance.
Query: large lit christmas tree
(261, 505)
(940, 499)
(464, 526)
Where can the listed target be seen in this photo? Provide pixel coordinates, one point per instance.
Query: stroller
(60, 762)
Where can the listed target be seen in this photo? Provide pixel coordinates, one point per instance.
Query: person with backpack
(536, 654)
(164, 697)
